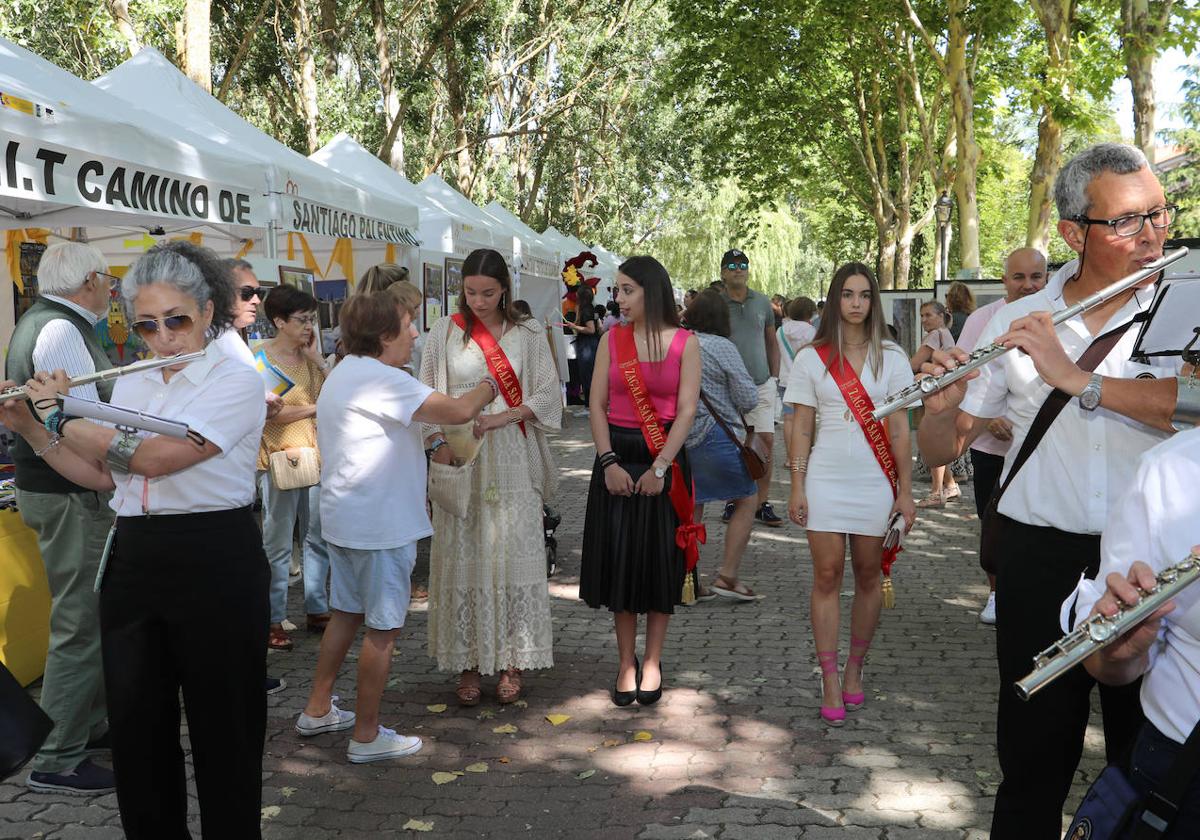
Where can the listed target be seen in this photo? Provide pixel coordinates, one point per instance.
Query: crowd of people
(165, 584)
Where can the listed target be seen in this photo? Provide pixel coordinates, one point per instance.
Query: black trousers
(184, 605)
(1039, 742)
(987, 477)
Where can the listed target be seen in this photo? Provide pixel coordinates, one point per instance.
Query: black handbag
(23, 725)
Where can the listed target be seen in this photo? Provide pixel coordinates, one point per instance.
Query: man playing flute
(1108, 411)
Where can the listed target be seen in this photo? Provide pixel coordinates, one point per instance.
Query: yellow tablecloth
(24, 600)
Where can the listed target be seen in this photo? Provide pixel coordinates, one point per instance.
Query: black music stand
(1171, 327)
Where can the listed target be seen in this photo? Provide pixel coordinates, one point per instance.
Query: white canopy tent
(310, 199)
(78, 158)
(475, 226)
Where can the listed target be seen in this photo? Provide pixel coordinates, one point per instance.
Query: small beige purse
(295, 468)
(450, 487)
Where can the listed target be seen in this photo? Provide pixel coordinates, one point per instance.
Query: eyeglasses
(172, 323)
(303, 319)
(248, 293)
(1132, 224)
(112, 279)
(742, 266)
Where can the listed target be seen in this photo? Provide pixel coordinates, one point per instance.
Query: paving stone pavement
(735, 749)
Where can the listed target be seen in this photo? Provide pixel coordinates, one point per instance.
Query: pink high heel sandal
(855, 701)
(832, 715)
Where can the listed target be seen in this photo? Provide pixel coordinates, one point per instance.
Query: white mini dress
(846, 488)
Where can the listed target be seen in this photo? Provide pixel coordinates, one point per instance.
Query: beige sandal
(508, 690)
(468, 692)
(932, 500)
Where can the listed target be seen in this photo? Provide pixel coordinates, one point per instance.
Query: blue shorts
(374, 583)
(717, 469)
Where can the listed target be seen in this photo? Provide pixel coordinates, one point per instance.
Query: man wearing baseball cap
(752, 325)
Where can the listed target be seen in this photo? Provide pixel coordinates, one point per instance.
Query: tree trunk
(1046, 164)
(886, 235)
(1057, 18)
(307, 73)
(195, 51)
(962, 94)
(1142, 28)
(456, 104)
(329, 35)
(120, 12)
(393, 153)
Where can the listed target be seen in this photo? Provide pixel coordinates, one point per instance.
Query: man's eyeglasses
(1132, 224)
(172, 323)
(737, 266)
(111, 279)
(249, 293)
(307, 320)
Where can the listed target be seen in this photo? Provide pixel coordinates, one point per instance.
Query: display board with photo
(298, 277)
(902, 309)
(434, 293)
(454, 283)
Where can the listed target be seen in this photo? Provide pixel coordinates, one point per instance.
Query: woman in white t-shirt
(934, 320)
(183, 590)
(796, 331)
(373, 506)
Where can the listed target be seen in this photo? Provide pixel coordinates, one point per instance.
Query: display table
(24, 600)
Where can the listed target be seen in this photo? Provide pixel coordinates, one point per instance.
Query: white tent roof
(312, 199)
(76, 156)
(477, 224)
(346, 156)
(536, 246)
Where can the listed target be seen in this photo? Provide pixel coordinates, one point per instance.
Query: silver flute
(18, 393)
(932, 384)
(1099, 631)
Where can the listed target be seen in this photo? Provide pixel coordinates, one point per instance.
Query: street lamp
(942, 209)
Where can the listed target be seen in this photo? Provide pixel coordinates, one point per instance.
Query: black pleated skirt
(630, 560)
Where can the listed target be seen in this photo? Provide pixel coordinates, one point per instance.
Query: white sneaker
(335, 720)
(386, 745)
(988, 616)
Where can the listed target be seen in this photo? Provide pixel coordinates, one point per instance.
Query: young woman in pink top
(632, 563)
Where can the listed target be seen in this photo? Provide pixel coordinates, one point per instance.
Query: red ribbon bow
(689, 537)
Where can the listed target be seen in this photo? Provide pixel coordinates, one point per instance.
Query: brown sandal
(317, 622)
(278, 638)
(735, 589)
(508, 690)
(468, 692)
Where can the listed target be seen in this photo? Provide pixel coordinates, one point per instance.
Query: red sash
(498, 364)
(688, 535)
(861, 406)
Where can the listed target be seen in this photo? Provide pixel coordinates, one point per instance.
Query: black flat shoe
(626, 698)
(649, 698)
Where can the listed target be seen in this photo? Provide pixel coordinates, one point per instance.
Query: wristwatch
(1089, 400)
(437, 444)
(659, 472)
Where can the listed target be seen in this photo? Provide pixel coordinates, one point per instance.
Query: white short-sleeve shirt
(1155, 521)
(373, 468)
(1086, 457)
(222, 400)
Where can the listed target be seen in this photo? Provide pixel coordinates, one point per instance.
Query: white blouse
(1157, 521)
(220, 398)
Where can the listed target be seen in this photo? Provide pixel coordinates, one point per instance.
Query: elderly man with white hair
(71, 522)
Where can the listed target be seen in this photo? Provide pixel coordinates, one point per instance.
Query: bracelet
(493, 384)
(608, 459)
(436, 445)
(55, 440)
(798, 465)
(51, 421)
(514, 415)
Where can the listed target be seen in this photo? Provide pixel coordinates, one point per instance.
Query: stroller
(550, 522)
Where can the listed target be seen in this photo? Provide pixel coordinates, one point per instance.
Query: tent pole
(272, 241)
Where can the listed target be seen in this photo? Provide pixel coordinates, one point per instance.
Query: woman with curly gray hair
(183, 589)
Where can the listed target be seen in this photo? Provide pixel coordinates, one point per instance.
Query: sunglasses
(248, 293)
(172, 323)
(742, 266)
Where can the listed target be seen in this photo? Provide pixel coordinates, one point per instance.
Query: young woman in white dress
(839, 490)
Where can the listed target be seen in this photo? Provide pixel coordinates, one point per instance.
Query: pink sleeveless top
(662, 381)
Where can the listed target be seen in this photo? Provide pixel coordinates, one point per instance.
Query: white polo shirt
(1157, 521)
(1086, 457)
(220, 398)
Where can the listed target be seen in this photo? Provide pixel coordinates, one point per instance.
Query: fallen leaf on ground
(643, 736)
(506, 729)
(441, 777)
(586, 774)
(270, 811)
(556, 720)
(486, 714)
(503, 759)
(521, 704)
(477, 767)
(437, 708)
(418, 825)
(611, 742)
(286, 792)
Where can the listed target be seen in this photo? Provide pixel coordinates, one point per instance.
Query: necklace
(863, 343)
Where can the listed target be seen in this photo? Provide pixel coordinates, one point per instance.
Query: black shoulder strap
(1057, 401)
